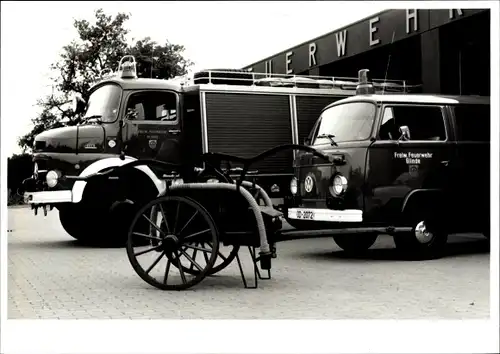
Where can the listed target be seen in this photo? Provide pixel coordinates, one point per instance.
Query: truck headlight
(177, 181)
(293, 186)
(52, 178)
(339, 185)
(35, 171)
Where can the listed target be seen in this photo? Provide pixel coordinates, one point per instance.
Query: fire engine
(126, 118)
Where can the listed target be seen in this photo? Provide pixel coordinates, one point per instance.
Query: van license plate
(305, 214)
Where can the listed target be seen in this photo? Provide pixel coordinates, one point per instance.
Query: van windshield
(345, 122)
(104, 103)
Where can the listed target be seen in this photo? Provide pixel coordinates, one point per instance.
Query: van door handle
(174, 131)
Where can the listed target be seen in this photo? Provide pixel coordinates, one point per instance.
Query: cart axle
(301, 234)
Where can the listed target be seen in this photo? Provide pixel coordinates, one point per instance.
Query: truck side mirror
(78, 104)
(405, 133)
(131, 114)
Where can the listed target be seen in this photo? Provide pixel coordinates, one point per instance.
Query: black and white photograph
(332, 166)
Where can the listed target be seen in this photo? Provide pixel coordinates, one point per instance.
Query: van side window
(473, 122)
(153, 106)
(425, 123)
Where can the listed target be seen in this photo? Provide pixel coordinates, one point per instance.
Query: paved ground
(51, 276)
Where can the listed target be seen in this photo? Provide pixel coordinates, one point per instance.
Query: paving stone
(50, 276)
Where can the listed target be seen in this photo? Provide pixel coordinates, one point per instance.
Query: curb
(18, 206)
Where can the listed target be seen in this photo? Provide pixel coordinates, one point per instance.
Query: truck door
(152, 126)
(397, 165)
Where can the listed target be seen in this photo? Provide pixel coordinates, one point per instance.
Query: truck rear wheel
(355, 244)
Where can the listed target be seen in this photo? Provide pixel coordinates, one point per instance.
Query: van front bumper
(328, 215)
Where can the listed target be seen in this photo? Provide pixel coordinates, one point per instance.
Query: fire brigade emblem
(413, 170)
(309, 184)
(152, 143)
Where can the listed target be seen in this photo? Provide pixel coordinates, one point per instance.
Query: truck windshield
(104, 103)
(345, 122)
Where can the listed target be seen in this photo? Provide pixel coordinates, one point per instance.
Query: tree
(159, 61)
(19, 167)
(99, 46)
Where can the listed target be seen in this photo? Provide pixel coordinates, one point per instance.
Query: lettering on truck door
(153, 128)
(398, 163)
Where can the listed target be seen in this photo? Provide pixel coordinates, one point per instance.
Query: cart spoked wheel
(176, 226)
(225, 254)
(201, 252)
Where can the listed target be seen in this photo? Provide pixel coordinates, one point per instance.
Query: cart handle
(250, 161)
(247, 162)
(207, 157)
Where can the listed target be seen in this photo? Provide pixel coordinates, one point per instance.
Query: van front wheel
(355, 244)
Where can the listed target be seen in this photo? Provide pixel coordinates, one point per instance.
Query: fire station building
(447, 51)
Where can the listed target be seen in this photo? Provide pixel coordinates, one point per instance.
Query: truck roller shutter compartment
(246, 125)
(308, 111)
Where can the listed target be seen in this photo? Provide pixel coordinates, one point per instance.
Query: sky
(215, 34)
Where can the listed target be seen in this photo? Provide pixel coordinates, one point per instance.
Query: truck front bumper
(48, 197)
(33, 195)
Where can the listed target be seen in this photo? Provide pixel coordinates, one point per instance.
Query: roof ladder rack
(249, 78)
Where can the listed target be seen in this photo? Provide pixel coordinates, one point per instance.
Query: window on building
(473, 122)
(423, 122)
(153, 106)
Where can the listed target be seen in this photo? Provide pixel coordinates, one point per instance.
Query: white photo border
(301, 336)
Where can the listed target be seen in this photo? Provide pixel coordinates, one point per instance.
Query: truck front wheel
(78, 223)
(96, 227)
(74, 224)
(105, 213)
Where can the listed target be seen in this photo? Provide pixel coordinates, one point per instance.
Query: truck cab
(397, 165)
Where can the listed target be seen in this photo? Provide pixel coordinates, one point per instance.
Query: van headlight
(293, 186)
(339, 185)
(52, 178)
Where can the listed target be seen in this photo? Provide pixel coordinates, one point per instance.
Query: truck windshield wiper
(329, 137)
(96, 117)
